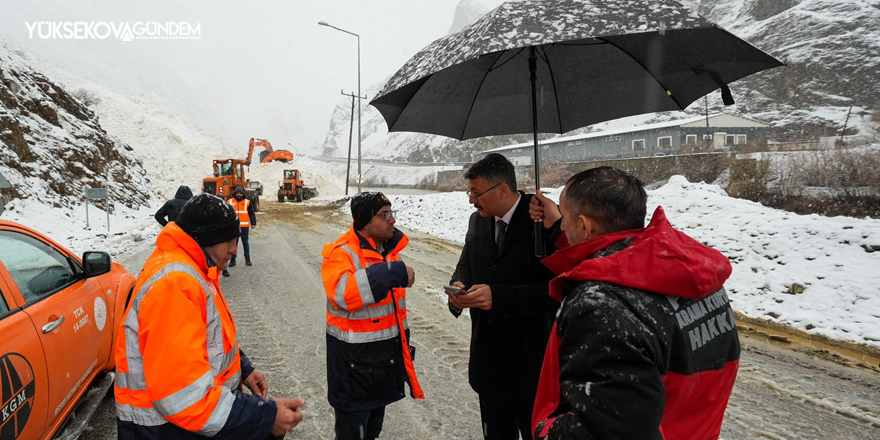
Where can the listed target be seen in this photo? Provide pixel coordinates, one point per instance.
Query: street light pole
(359, 176)
(348, 158)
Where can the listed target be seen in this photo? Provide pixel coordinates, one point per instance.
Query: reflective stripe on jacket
(241, 208)
(177, 358)
(366, 304)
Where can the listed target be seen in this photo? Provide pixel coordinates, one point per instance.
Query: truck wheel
(280, 196)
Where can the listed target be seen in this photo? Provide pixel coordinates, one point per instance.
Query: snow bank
(774, 253)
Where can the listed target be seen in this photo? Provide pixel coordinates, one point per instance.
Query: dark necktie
(502, 231)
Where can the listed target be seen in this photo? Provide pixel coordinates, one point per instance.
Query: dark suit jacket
(508, 341)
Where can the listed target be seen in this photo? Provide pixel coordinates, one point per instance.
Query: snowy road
(279, 307)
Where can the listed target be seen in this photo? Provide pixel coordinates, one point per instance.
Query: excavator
(268, 154)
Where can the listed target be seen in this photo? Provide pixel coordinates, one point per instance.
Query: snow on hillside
(387, 174)
(173, 149)
(52, 146)
(771, 251)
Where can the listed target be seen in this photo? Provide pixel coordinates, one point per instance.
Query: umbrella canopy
(555, 65)
(594, 61)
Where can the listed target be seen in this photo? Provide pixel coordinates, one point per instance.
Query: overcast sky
(263, 69)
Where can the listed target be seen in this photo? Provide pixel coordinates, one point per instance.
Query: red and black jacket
(645, 343)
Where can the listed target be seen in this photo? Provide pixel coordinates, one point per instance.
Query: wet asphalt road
(279, 303)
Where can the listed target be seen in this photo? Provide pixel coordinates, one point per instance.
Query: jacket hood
(183, 193)
(660, 259)
(173, 238)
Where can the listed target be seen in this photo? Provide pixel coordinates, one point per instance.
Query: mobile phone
(454, 290)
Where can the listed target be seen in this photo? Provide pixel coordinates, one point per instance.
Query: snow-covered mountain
(466, 12)
(52, 146)
(832, 52)
(832, 49)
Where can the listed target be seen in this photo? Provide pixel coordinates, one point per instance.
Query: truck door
(61, 305)
(23, 380)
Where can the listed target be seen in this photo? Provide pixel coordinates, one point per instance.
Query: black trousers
(359, 425)
(506, 423)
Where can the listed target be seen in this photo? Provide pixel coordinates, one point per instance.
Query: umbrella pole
(533, 76)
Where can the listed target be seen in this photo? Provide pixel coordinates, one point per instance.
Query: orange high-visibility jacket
(366, 322)
(177, 359)
(241, 208)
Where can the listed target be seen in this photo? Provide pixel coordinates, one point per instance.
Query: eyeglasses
(387, 215)
(477, 196)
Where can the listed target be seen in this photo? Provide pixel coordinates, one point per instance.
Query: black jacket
(645, 344)
(508, 341)
(171, 208)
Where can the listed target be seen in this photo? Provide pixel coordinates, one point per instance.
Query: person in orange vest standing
(179, 369)
(248, 220)
(368, 353)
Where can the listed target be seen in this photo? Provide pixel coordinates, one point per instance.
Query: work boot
(247, 261)
(232, 262)
(225, 273)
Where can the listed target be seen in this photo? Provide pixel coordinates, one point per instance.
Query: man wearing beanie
(247, 219)
(179, 370)
(368, 354)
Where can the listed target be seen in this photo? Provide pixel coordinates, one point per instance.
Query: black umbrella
(571, 62)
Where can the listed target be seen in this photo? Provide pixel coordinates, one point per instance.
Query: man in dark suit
(507, 293)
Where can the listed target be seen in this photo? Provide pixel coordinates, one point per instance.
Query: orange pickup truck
(58, 316)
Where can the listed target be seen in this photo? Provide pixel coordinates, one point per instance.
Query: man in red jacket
(645, 344)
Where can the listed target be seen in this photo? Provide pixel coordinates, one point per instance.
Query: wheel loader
(294, 188)
(229, 173)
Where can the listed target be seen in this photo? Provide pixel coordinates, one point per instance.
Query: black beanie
(365, 205)
(238, 189)
(209, 220)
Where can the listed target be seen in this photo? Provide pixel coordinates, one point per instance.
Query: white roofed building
(720, 132)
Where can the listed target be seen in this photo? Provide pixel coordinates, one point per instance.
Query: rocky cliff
(52, 147)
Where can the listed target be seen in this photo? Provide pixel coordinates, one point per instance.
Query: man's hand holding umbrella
(543, 209)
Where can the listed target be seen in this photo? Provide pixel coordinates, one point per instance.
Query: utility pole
(350, 133)
(360, 177)
(708, 137)
(845, 122)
